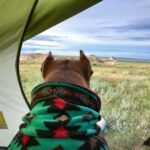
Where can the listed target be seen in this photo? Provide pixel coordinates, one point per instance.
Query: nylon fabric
(11, 100)
(51, 12)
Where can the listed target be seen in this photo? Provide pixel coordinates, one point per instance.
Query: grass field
(124, 90)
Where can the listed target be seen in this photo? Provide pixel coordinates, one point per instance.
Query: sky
(119, 28)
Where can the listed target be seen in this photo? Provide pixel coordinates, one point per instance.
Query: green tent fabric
(21, 20)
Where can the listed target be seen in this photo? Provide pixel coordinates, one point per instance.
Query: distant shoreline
(124, 59)
(129, 59)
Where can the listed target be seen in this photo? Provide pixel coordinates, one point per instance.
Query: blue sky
(108, 28)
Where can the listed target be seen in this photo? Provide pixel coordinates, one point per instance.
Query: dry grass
(124, 91)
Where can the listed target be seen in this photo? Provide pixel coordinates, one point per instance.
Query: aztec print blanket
(63, 117)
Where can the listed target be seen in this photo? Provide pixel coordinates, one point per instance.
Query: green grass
(124, 92)
(30, 76)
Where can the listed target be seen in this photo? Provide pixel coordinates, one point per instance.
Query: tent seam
(18, 54)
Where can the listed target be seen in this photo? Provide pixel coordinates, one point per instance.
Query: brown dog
(64, 112)
(72, 71)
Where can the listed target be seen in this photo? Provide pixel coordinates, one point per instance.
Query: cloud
(49, 38)
(108, 25)
(42, 42)
(138, 25)
(140, 38)
(42, 45)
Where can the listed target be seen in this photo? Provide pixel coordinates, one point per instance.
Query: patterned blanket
(63, 117)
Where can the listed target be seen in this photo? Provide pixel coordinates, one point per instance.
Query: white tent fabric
(14, 20)
(12, 104)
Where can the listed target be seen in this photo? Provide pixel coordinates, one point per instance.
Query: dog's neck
(69, 76)
(71, 92)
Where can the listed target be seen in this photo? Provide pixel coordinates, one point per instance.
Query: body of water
(139, 54)
(134, 54)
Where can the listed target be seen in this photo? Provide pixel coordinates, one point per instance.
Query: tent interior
(19, 21)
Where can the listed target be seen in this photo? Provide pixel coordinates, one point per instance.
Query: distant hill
(93, 58)
(36, 56)
(111, 61)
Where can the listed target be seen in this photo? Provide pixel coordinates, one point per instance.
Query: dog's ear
(82, 56)
(50, 56)
(85, 66)
(48, 60)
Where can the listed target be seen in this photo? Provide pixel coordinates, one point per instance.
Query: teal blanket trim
(86, 95)
(64, 84)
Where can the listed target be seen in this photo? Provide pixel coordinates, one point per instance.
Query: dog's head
(74, 71)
